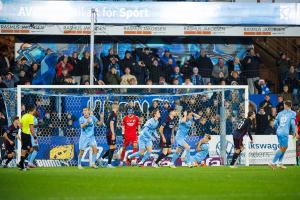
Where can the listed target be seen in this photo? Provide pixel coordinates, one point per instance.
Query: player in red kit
(130, 124)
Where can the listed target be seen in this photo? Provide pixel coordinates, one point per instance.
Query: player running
(185, 124)
(130, 124)
(87, 136)
(202, 148)
(243, 128)
(166, 131)
(10, 136)
(111, 125)
(35, 146)
(284, 122)
(27, 124)
(145, 138)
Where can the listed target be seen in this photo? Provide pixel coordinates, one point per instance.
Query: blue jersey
(149, 128)
(183, 128)
(285, 121)
(204, 148)
(168, 125)
(88, 131)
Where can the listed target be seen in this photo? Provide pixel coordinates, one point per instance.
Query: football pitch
(135, 183)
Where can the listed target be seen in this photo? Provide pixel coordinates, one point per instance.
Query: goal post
(219, 107)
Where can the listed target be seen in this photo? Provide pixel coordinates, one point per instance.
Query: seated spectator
(168, 56)
(280, 105)
(162, 81)
(286, 94)
(270, 130)
(235, 79)
(266, 105)
(128, 61)
(261, 121)
(155, 71)
(127, 76)
(63, 64)
(262, 87)
(177, 75)
(220, 70)
(222, 81)
(112, 77)
(10, 80)
(205, 66)
(187, 81)
(186, 70)
(283, 65)
(196, 78)
(235, 65)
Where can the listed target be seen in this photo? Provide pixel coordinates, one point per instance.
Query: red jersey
(130, 124)
(298, 123)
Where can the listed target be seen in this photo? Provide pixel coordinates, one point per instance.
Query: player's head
(31, 109)
(172, 113)
(130, 112)
(156, 113)
(287, 104)
(189, 115)
(207, 137)
(86, 112)
(115, 106)
(251, 115)
(16, 121)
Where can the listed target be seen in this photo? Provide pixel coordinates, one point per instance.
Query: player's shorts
(283, 140)
(85, 142)
(9, 148)
(199, 157)
(26, 141)
(238, 142)
(32, 142)
(130, 140)
(168, 143)
(180, 142)
(144, 143)
(109, 139)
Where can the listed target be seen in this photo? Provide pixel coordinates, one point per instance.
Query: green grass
(150, 184)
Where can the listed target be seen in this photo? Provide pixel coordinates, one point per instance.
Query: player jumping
(284, 122)
(202, 151)
(243, 128)
(145, 138)
(129, 126)
(10, 136)
(166, 131)
(87, 136)
(183, 130)
(111, 125)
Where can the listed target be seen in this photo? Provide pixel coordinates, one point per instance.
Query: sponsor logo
(264, 146)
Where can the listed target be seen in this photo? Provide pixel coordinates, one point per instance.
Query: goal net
(60, 107)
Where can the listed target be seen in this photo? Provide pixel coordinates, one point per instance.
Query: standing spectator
(11, 80)
(270, 130)
(128, 61)
(20, 65)
(186, 70)
(22, 78)
(4, 62)
(196, 78)
(235, 65)
(32, 72)
(141, 72)
(286, 93)
(205, 66)
(261, 121)
(64, 78)
(292, 79)
(177, 75)
(63, 64)
(76, 72)
(220, 71)
(114, 63)
(167, 56)
(251, 65)
(266, 104)
(155, 71)
(280, 105)
(125, 79)
(146, 57)
(283, 65)
(168, 69)
(262, 87)
(235, 79)
(273, 114)
(85, 67)
(112, 77)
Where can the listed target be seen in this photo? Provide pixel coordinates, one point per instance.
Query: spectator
(168, 69)
(205, 66)
(64, 78)
(154, 71)
(63, 64)
(280, 105)
(292, 79)
(141, 72)
(212, 126)
(262, 87)
(162, 81)
(20, 65)
(32, 72)
(220, 71)
(85, 67)
(4, 62)
(76, 72)
(286, 93)
(235, 65)
(177, 75)
(153, 106)
(125, 79)
(266, 105)
(112, 77)
(22, 78)
(298, 120)
(196, 78)
(107, 60)
(115, 64)
(146, 57)
(11, 80)
(2, 84)
(186, 70)
(2, 123)
(167, 56)
(128, 61)
(187, 81)
(261, 121)
(283, 65)
(270, 130)
(235, 79)
(251, 65)
(273, 114)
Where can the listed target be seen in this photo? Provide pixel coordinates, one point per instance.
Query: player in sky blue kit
(202, 151)
(145, 138)
(87, 136)
(284, 123)
(185, 124)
